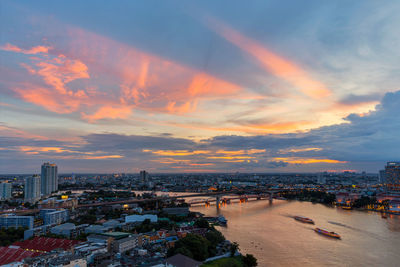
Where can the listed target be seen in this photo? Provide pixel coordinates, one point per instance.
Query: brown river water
(269, 232)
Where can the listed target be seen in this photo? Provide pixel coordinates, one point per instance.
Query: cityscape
(199, 133)
(136, 219)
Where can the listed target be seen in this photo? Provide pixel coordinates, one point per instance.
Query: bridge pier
(217, 201)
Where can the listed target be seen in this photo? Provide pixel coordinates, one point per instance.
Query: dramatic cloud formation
(199, 86)
(372, 138)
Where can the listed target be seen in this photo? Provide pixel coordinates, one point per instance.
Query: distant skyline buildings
(5, 190)
(392, 175)
(32, 189)
(48, 179)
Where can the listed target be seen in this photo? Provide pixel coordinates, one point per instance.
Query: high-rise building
(392, 175)
(5, 190)
(382, 177)
(144, 176)
(32, 189)
(49, 179)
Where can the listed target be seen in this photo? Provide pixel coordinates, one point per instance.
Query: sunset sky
(199, 86)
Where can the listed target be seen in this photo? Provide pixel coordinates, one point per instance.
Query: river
(270, 233)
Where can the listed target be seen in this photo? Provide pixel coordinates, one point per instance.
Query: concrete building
(97, 229)
(49, 179)
(144, 176)
(126, 244)
(177, 211)
(53, 216)
(382, 176)
(5, 190)
(69, 230)
(32, 189)
(11, 220)
(37, 231)
(392, 176)
(141, 218)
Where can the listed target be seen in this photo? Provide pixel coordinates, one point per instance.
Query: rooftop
(9, 254)
(116, 235)
(180, 260)
(46, 244)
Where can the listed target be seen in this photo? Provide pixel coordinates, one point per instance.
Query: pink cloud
(273, 63)
(31, 51)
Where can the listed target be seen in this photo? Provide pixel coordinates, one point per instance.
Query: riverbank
(269, 232)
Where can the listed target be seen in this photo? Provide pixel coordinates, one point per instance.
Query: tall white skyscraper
(49, 179)
(5, 190)
(32, 189)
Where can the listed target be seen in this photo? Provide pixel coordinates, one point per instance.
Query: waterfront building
(392, 176)
(5, 190)
(32, 189)
(11, 220)
(49, 179)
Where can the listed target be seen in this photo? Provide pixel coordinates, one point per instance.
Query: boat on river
(222, 221)
(303, 219)
(327, 233)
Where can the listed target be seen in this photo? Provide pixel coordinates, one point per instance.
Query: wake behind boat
(303, 219)
(327, 233)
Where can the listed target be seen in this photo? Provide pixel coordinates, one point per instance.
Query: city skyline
(199, 87)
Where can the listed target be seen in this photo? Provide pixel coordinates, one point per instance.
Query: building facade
(32, 189)
(53, 216)
(9, 221)
(49, 179)
(5, 190)
(392, 176)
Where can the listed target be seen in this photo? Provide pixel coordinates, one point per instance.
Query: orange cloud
(108, 112)
(296, 150)
(58, 73)
(240, 152)
(51, 100)
(296, 160)
(273, 63)
(35, 150)
(32, 51)
(231, 157)
(176, 152)
(147, 81)
(253, 128)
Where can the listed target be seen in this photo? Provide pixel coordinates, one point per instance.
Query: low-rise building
(69, 230)
(126, 244)
(54, 216)
(11, 220)
(96, 229)
(141, 218)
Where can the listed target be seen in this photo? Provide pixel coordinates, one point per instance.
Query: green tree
(215, 237)
(249, 260)
(196, 244)
(234, 247)
(202, 223)
(184, 251)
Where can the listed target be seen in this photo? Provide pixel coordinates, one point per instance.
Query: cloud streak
(272, 63)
